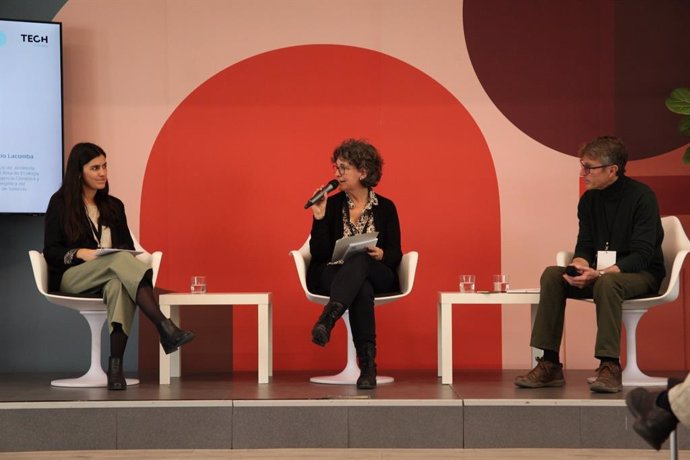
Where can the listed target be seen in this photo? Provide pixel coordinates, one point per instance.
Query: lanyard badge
(605, 258)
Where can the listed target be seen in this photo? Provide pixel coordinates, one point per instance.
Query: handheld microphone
(332, 185)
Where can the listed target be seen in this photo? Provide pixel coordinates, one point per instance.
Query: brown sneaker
(609, 378)
(544, 374)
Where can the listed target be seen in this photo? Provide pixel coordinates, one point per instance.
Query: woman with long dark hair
(81, 218)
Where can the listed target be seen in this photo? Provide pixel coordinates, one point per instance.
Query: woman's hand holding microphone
(319, 208)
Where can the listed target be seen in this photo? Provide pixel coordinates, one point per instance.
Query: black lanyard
(97, 231)
(609, 230)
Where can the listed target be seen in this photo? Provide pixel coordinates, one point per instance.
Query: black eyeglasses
(588, 169)
(341, 169)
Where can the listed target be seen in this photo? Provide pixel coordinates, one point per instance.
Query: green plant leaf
(679, 101)
(684, 125)
(686, 157)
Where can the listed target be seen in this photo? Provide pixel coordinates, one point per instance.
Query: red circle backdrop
(233, 165)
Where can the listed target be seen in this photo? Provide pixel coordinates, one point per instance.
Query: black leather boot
(172, 337)
(116, 380)
(321, 332)
(366, 354)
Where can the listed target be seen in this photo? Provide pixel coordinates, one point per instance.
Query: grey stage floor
(408, 385)
(482, 409)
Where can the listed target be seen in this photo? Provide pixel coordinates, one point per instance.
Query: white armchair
(675, 247)
(406, 274)
(94, 312)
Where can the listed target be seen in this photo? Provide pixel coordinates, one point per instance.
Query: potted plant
(679, 102)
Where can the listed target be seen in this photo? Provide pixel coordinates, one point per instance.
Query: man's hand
(586, 277)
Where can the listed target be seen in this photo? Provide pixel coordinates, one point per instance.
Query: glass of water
(198, 285)
(501, 283)
(466, 283)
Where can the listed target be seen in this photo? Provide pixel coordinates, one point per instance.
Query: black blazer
(56, 244)
(325, 232)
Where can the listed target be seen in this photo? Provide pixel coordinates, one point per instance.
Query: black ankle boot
(321, 332)
(173, 337)
(116, 380)
(366, 353)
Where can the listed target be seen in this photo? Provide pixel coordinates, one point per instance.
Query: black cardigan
(325, 232)
(56, 244)
(626, 215)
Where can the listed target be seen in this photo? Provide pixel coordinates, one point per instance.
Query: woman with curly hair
(352, 283)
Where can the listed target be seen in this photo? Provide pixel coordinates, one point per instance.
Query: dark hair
(362, 155)
(609, 150)
(72, 192)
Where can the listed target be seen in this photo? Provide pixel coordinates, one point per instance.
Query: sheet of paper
(347, 246)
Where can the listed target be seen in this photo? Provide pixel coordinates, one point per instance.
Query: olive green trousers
(117, 276)
(608, 291)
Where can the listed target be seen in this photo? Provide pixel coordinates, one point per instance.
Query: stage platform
(481, 409)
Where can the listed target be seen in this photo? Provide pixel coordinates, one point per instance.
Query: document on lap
(106, 251)
(350, 245)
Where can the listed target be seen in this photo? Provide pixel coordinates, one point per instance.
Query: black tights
(118, 341)
(148, 305)
(147, 301)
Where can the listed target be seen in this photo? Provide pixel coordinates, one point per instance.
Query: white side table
(446, 300)
(170, 304)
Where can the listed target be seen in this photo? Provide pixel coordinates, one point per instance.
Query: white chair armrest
(40, 270)
(407, 271)
(301, 266)
(156, 258)
(563, 258)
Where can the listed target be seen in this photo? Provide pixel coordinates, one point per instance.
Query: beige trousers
(679, 397)
(116, 275)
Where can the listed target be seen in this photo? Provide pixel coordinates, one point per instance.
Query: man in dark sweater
(617, 256)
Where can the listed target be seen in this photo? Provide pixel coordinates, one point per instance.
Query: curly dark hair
(362, 155)
(609, 150)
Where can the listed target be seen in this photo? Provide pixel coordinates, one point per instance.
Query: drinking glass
(466, 283)
(501, 283)
(198, 285)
